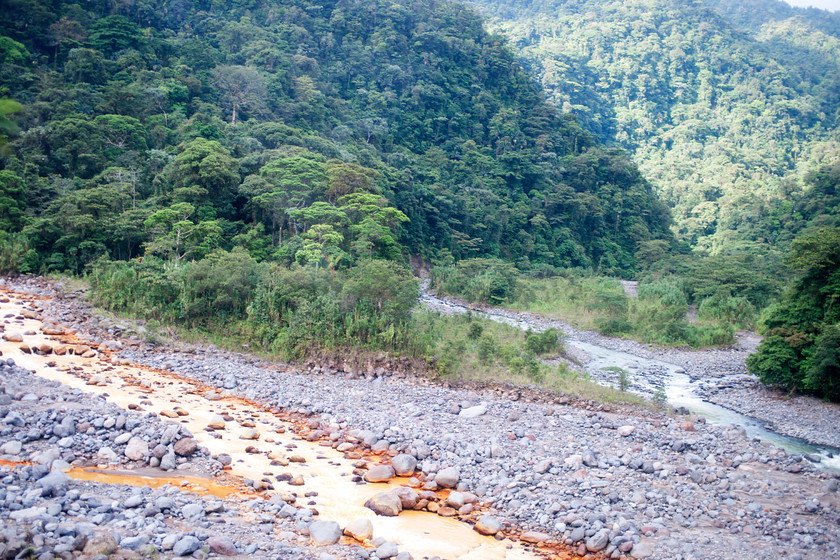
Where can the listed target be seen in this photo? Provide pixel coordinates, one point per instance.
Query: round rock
(324, 533)
(137, 449)
(448, 478)
(360, 529)
(186, 545)
(380, 473)
(488, 525)
(598, 541)
(185, 447)
(404, 464)
(222, 545)
(385, 503)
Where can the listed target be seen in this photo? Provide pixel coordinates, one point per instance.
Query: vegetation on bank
(294, 312)
(801, 348)
(267, 170)
(725, 293)
(302, 313)
(309, 132)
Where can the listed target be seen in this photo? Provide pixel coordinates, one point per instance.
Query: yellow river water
(324, 471)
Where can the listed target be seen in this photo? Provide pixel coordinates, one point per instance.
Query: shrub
(542, 343)
(483, 280)
(724, 308)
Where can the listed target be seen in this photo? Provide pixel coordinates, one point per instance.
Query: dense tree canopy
(725, 105)
(317, 133)
(802, 345)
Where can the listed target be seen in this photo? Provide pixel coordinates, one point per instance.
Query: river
(647, 374)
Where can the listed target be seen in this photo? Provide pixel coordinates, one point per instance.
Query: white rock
(325, 533)
(360, 529)
(107, 454)
(473, 411)
(136, 449)
(488, 525)
(448, 478)
(11, 448)
(574, 461)
(122, 438)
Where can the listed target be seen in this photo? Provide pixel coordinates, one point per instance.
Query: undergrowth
(302, 313)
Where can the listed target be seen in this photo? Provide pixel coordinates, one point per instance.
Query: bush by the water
(801, 347)
(481, 280)
(658, 315)
(292, 310)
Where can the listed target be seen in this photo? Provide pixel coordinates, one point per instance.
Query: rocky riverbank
(807, 418)
(636, 484)
(47, 428)
(720, 373)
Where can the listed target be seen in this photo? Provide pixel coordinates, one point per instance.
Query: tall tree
(241, 87)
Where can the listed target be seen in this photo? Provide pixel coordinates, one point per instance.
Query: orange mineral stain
(199, 485)
(261, 442)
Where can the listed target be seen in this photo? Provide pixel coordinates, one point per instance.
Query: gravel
(672, 487)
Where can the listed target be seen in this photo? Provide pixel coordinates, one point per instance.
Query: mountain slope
(725, 106)
(304, 132)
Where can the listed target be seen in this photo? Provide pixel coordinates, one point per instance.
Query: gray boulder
(134, 542)
(53, 484)
(448, 478)
(222, 545)
(186, 545)
(388, 504)
(325, 533)
(404, 464)
(598, 541)
(66, 427)
(379, 473)
(488, 525)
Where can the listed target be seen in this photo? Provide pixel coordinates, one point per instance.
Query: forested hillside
(724, 105)
(316, 133)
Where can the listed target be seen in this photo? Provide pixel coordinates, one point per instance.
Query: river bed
(256, 439)
(645, 376)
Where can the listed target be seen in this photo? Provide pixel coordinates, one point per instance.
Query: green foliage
(822, 374)
(725, 105)
(659, 315)
(12, 201)
(12, 52)
(799, 350)
(294, 311)
(659, 396)
(13, 252)
(723, 308)
(8, 127)
(175, 236)
(623, 380)
(545, 342)
(500, 353)
(409, 119)
(483, 280)
(112, 34)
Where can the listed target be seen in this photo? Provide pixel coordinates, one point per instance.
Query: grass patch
(470, 348)
(582, 301)
(657, 316)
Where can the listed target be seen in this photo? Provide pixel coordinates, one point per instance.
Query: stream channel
(257, 439)
(679, 388)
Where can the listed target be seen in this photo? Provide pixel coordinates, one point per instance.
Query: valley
(396, 279)
(564, 475)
